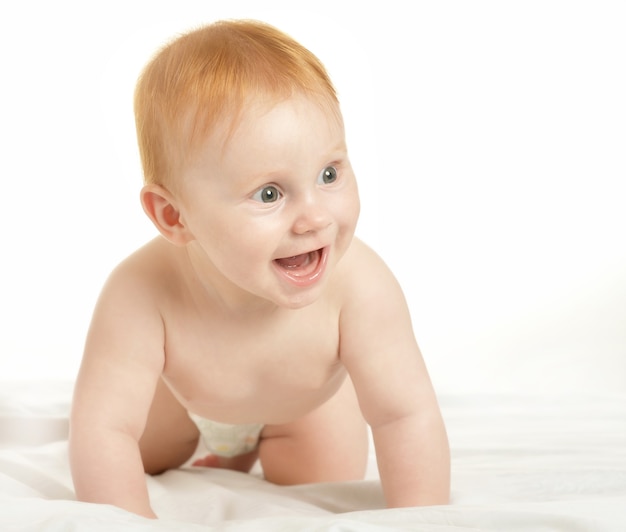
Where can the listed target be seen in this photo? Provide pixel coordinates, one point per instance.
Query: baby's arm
(395, 392)
(122, 362)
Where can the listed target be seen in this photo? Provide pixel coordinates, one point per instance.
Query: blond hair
(207, 76)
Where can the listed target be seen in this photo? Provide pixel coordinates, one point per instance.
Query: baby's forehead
(261, 127)
(221, 136)
(254, 108)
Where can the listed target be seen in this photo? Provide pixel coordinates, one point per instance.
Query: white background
(489, 139)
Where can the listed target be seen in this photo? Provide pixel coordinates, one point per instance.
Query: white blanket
(518, 463)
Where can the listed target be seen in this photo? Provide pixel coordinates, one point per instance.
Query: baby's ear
(161, 208)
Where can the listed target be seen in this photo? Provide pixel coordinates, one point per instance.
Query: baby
(255, 319)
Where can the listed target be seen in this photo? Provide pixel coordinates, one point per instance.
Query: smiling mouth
(304, 269)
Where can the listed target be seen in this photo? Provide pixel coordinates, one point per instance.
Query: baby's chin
(299, 301)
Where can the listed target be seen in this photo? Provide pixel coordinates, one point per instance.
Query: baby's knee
(295, 459)
(158, 457)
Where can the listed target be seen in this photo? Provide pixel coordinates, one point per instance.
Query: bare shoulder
(374, 311)
(151, 259)
(144, 275)
(127, 317)
(364, 276)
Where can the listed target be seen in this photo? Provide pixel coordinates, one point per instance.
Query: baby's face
(273, 207)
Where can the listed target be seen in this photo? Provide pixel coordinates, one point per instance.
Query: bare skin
(171, 438)
(200, 318)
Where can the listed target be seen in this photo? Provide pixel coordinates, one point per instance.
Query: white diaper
(224, 439)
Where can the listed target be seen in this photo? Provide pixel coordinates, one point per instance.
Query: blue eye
(268, 194)
(328, 176)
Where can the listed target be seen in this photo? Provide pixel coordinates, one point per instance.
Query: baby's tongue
(291, 263)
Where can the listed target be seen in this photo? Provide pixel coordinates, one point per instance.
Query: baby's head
(206, 78)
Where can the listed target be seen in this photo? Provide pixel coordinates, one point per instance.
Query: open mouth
(303, 269)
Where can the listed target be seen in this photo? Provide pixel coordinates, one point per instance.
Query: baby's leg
(170, 437)
(329, 444)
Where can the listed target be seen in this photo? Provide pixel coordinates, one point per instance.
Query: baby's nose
(311, 216)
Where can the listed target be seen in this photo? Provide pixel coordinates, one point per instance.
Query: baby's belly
(242, 401)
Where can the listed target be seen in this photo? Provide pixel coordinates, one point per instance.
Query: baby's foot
(210, 460)
(243, 462)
